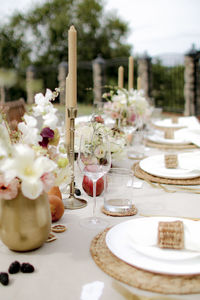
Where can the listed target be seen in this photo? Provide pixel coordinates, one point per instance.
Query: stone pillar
(145, 73)
(62, 74)
(189, 83)
(98, 67)
(30, 79)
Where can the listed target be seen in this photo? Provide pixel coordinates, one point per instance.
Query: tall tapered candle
(120, 77)
(130, 72)
(67, 119)
(138, 83)
(72, 62)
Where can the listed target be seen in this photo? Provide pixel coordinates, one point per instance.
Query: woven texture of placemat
(159, 283)
(138, 172)
(169, 146)
(126, 213)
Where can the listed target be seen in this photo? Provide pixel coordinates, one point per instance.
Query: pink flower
(10, 191)
(48, 180)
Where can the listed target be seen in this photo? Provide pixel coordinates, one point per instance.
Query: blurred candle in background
(130, 72)
(120, 77)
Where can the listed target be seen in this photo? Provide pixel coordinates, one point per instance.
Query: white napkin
(92, 291)
(190, 122)
(148, 237)
(190, 134)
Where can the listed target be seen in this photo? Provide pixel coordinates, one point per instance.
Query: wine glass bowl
(94, 160)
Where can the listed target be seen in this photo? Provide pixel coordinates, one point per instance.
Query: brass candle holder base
(72, 202)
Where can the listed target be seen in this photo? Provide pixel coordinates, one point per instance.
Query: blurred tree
(14, 53)
(46, 28)
(40, 37)
(14, 57)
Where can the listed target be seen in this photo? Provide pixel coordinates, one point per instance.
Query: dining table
(65, 268)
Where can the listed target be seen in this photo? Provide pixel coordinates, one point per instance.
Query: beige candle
(138, 83)
(67, 119)
(130, 72)
(72, 63)
(120, 77)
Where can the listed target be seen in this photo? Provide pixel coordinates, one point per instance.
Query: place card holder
(175, 120)
(171, 161)
(169, 133)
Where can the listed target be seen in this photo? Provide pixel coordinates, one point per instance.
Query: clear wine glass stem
(94, 199)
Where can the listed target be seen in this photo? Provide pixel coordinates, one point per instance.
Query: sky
(156, 26)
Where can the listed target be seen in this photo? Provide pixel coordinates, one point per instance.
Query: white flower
(63, 176)
(5, 144)
(86, 130)
(30, 133)
(43, 104)
(50, 120)
(28, 168)
(82, 130)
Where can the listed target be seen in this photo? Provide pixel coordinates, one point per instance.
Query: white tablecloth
(64, 266)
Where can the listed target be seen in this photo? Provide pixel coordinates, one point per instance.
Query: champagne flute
(94, 161)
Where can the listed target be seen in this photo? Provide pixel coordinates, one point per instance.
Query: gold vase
(24, 223)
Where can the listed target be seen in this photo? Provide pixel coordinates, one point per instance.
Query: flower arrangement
(126, 105)
(32, 158)
(116, 138)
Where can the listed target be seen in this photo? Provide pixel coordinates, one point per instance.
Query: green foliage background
(39, 38)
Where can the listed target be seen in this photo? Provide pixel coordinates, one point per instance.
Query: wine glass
(129, 122)
(94, 160)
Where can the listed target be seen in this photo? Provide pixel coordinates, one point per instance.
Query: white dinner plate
(188, 166)
(189, 122)
(129, 242)
(162, 140)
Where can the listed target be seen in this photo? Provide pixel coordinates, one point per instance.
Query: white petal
(39, 98)
(10, 172)
(50, 120)
(24, 152)
(49, 94)
(30, 121)
(44, 165)
(33, 189)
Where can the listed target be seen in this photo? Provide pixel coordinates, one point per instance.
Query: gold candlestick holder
(72, 202)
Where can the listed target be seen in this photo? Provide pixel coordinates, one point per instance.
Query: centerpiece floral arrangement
(126, 105)
(117, 139)
(32, 159)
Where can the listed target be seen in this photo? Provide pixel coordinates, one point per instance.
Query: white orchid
(43, 107)
(29, 132)
(50, 120)
(29, 168)
(5, 143)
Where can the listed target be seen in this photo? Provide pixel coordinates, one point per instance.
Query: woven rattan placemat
(138, 172)
(139, 278)
(169, 146)
(126, 213)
